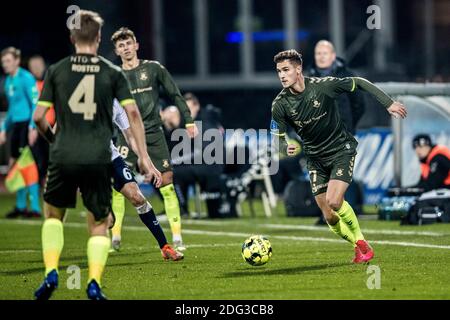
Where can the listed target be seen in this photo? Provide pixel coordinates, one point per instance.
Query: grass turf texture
(307, 263)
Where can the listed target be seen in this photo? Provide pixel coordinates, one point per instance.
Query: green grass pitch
(307, 263)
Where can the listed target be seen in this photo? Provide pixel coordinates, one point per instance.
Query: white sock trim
(144, 208)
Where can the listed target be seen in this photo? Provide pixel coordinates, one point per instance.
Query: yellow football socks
(341, 229)
(52, 243)
(347, 214)
(118, 207)
(172, 207)
(97, 250)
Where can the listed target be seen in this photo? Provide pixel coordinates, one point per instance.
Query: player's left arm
(350, 84)
(174, 93)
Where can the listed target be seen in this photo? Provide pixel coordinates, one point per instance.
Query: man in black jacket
(187, 172)
(351, 105)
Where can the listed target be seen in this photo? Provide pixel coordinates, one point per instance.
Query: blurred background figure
(40, 149)
(327, 64)
(434, 163)
(207, 176)
(22, 95)
(172, 120)
(351, 105)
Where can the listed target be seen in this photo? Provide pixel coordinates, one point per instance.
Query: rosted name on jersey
(85, 68)
(80, 64)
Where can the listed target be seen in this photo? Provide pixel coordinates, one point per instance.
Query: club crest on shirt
(316, 104)
(340, 172)
(143, 76)
(165, 163)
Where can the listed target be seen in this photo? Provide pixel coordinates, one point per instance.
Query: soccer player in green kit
(308, 105)
(82, 88)
(145, 79)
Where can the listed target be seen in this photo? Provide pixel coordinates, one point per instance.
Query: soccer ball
(256, 250)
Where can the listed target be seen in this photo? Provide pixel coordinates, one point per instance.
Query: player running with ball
(308, 105)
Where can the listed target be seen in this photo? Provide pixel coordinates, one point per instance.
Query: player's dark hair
(190, 96)
(122, 34)
(11, 50)
(90, 25)
(292, 55)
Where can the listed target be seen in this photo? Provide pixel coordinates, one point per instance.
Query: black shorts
(121, 173)
(19, 138)
(93, 180)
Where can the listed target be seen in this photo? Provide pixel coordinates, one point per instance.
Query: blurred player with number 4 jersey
(145, 78)
(125, 184)
(309, 106)
(82, 88)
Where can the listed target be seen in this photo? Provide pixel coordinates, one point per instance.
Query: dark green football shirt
(82, 88)
(145, 81)
(314, 114)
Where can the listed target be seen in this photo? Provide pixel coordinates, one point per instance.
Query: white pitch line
(368, 231)
(323, 229)
(245, 235)
(319, 239)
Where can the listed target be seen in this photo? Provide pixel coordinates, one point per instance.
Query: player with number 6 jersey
(126, 185)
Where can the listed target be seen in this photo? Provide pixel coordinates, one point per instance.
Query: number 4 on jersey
(85, 88)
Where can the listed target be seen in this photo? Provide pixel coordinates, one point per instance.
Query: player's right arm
(123, 94)
(44, 103)
(278, 128)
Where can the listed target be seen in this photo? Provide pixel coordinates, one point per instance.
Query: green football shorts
(339, 167)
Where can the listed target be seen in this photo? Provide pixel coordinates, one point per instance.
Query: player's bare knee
(331, 218)
(100, 228)
(334, 203)
(167, 178)
(137, 199)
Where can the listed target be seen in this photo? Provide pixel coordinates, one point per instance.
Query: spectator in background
(434, 163)
(207, 176)
(37, 67)
(327, 64)
(22, 95)
(351, 105)
(172, 120)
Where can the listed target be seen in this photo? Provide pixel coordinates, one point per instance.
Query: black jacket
(351, 105)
